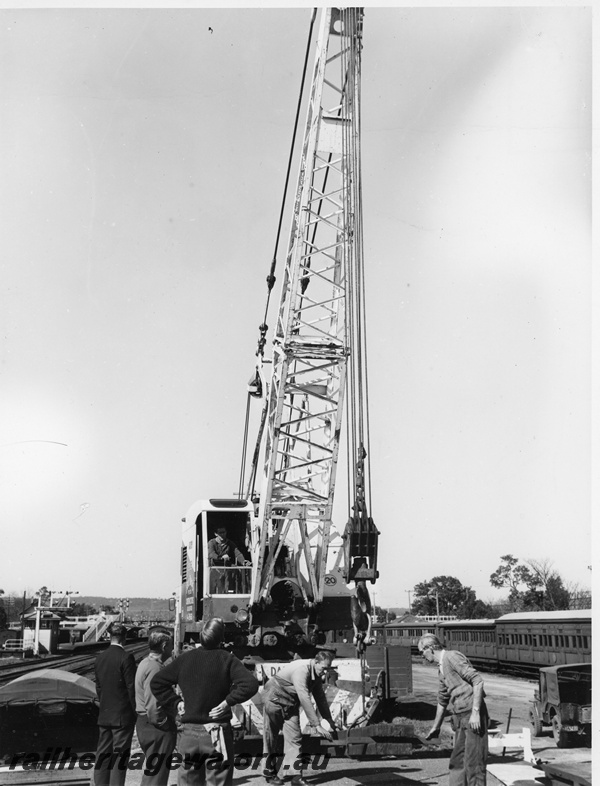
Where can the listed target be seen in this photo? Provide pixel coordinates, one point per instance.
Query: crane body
(295, 577)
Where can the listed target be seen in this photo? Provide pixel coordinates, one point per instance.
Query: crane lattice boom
(318, 343)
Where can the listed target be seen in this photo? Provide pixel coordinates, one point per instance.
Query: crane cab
(215, 564)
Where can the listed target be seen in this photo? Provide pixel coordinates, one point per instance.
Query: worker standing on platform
(224, 554)
(460, 692)
(291, 688)
(156, 729)
(115, 686)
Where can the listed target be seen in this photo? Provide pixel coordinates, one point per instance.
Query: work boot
(272, 778)
(298, 780)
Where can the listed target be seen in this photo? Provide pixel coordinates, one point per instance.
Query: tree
(81, 610)
(451, 596)
(474, 609)
(443, 593)
(534, 586)
(42, 596)
(516, 578)
(551, 594)
(382, 615)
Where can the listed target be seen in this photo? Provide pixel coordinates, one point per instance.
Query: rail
(76, 663)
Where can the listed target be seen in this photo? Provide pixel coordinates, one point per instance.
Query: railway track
(80, 664)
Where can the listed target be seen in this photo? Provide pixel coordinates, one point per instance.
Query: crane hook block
(360, 549)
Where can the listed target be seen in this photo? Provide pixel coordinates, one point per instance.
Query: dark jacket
(115, 686)
(218, 549)
(205, 678)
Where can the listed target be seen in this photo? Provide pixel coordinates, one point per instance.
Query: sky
(142, 161)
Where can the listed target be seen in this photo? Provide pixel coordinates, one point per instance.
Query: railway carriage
(520, 641)
(474, 638)
(406, 633)
(544, 638)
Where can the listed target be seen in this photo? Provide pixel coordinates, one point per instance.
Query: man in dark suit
(115, 686)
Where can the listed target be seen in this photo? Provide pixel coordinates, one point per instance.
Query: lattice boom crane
(314, 388)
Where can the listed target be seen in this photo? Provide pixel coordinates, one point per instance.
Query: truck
(563, 702)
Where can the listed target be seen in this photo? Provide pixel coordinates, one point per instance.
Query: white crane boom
(318, 349)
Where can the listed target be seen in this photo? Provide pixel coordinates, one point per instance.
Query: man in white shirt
(291, 688)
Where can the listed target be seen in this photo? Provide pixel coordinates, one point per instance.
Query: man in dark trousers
(156, 730)
(115, 686)
(461, 693)
(294, 687)
(211, 681)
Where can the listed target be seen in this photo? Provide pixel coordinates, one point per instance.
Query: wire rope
(271, 277)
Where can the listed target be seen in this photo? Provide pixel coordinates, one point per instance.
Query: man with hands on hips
(211, 681)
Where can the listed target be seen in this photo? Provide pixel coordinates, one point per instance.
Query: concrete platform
(512, 771)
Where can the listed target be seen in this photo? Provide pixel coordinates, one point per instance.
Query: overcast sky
(142, 162)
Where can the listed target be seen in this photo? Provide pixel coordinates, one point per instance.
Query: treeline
(533, 585)
(13, 605)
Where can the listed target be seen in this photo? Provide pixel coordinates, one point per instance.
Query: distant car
(563, 701)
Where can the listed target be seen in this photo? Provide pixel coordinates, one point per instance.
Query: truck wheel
(561, 738)
(536, 723)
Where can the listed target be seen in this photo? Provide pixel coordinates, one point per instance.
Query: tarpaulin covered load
(48, 687)
(45, 709)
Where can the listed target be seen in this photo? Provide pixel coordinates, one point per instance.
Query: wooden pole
(507, 726)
